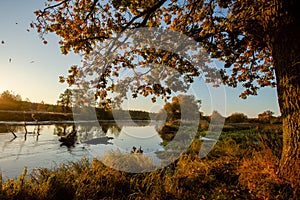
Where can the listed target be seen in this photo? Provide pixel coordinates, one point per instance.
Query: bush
(203, 125)
(237, 118)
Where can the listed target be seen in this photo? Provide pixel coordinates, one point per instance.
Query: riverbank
(236, 168)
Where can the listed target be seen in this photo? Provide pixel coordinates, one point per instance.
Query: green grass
(242, 165)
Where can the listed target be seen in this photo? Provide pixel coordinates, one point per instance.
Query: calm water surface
(45, 150)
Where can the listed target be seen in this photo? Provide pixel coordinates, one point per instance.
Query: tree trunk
(286, 55)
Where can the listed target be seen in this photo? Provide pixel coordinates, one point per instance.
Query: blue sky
(34, 69)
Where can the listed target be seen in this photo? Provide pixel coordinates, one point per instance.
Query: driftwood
(12, 130)
(14, 134)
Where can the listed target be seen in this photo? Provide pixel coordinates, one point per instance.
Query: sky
(31, 69)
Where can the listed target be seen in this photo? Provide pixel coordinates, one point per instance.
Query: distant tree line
(14, 102)
(11, 105)
(264, 117)
(170, 112)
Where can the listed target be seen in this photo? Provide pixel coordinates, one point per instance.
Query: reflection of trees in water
(115, 130)
(88, 131)
(14, 129)
(4, 128)
(67, 133)
(105, 127)
(175, 140)
(111, 127)
(11, 128)
(168, 131)
(62, 129)
(37, 129)
(141, 122)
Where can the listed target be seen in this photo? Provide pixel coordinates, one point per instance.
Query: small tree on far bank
(65, 100)
(216, 116)
(237, 118)
(266, 116)
(173, 110)
(10, 101)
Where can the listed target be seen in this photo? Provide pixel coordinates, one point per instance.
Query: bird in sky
(2, 42)
(9, 60)
(32, 61)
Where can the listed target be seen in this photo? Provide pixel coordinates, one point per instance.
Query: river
(45, 150)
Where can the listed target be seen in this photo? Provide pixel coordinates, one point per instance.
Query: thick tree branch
(54, 6)
(147, 13)
(92, 8)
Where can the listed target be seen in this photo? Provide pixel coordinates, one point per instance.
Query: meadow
(242, 165)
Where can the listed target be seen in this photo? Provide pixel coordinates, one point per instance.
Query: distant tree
(217, 117)
(173, 110)
(26, 105)
(10, 96)
(65, 100)
(59, 109)
(41, 106)
(50, 108)
(276, 120)
(237, 118)
(10, 101)
(266, 116)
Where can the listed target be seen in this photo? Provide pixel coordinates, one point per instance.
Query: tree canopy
(236, 32)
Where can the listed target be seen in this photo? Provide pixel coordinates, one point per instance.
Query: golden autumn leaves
(232, 32)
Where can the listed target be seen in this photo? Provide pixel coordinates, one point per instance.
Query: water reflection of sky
(45, 151)
(145, 136)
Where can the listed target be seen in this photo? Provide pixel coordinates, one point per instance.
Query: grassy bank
(242, 165)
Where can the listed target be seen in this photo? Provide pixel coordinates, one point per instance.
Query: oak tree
(258, 41)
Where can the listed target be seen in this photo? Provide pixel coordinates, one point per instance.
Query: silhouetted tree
(65, 100)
